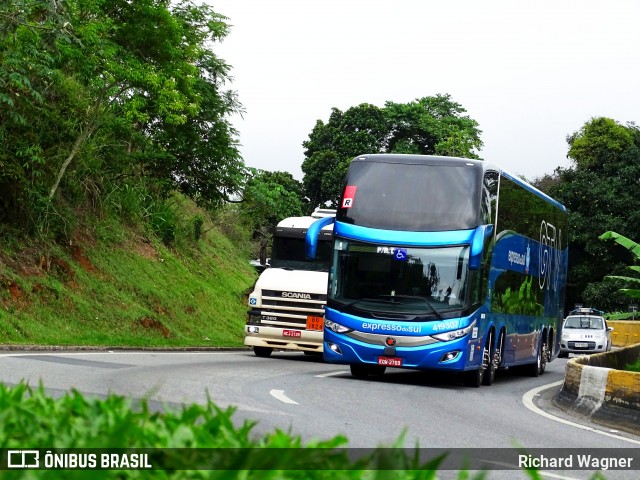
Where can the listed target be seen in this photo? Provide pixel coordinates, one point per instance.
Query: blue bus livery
(443, 263)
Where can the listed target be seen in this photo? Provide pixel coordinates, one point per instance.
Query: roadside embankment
(597, 387)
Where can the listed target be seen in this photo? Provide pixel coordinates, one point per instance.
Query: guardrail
(597, 387)
(625, 332)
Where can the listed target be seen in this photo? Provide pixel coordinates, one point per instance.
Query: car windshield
(382, 279)
(591, 323)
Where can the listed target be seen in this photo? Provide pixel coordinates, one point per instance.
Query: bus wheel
(536, 369)
(499, 356)
(262, 352)
(363, 370)
(490, 361)
(544, 357)
(473, 378)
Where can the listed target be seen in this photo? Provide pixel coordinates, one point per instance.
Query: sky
(529, 72)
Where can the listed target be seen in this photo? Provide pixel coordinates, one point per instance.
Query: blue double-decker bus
(444, 263)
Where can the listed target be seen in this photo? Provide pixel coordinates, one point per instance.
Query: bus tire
(489, 364)
(545, 357)
(537, 368)
(262, 352)
(473, 378)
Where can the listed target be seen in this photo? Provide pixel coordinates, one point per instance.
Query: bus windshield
(410, 197)
(421, 282)
(288, 252)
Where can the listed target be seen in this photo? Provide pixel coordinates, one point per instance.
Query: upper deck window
(411, 197)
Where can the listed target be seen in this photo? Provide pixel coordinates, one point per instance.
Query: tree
(428, 125)
(93, 89)
(599, 144)
(599, 191)
(269, 197)
(331, 146)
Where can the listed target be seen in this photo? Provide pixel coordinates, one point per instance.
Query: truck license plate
(315, 323)
(291, 333)
(581, 345)
(390, 361)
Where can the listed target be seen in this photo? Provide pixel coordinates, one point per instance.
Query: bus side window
(489, 197)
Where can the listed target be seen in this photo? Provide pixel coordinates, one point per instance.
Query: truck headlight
(454, 334)
(336, 327)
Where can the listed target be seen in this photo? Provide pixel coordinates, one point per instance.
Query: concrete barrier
(596, 387)
(625, 332)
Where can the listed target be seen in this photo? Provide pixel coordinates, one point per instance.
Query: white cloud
(530, 72)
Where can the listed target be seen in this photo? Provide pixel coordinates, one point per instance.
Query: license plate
(390, 361)
(581, 345)
(315, 323)
(291, 333)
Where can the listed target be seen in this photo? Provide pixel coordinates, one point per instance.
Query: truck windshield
(379, 279)
(288, 252)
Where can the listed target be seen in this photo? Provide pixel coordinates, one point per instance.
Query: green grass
(115, 286)
(633, 367)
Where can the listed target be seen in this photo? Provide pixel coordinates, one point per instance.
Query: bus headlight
(336, 327)
(454, 334)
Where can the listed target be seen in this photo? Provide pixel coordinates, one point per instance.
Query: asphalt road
(307, 397)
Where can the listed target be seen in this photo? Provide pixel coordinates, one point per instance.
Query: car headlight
(454, 334)
(336, 327)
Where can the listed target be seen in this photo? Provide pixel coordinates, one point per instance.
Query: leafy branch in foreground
(633, 293)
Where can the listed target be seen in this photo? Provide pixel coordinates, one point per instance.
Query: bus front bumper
(455, 355)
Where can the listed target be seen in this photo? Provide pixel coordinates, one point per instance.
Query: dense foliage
(600, 190)
(632, 293)
(269, 197)
(31, 417)
(96, 107)
(428, 125)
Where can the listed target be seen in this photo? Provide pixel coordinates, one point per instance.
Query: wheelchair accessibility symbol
(400, 254)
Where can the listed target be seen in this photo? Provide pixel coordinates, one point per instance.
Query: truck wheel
(262, 352)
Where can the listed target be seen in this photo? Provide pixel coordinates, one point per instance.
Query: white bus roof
(305, 222)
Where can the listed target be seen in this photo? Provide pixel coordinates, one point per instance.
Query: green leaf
(622, 240)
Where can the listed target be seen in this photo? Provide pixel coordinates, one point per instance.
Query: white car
(585, 331)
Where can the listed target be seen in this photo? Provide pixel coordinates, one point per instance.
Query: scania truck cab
(286, 307)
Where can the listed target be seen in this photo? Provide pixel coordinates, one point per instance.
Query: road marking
(330, 374)
(280, 395)
(527, 399)
(539, 472)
